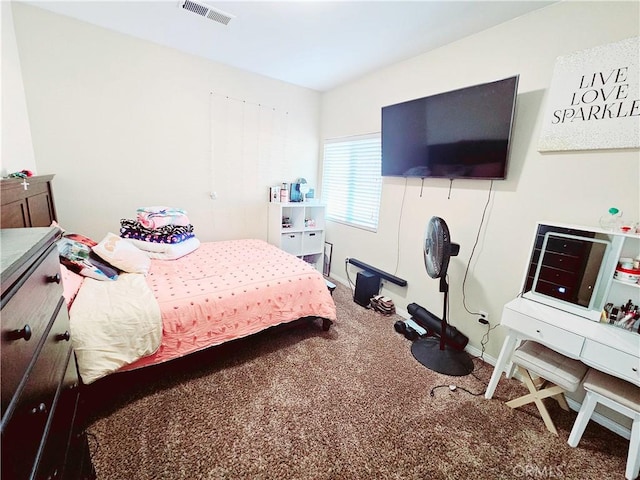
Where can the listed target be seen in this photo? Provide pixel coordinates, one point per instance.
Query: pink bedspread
(231, 289)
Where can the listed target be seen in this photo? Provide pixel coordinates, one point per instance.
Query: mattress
(228, 290)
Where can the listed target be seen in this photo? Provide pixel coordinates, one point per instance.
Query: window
(351, 180)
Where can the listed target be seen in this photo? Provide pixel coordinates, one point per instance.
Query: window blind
(351, 180)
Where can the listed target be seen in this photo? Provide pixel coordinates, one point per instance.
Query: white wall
(572, 187)
(17, 149)
(124, 123)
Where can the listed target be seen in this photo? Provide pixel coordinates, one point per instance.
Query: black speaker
(367, 285)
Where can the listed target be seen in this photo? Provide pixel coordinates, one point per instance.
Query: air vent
(206, 11)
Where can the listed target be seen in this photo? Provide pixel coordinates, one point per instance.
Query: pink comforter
(231, 289)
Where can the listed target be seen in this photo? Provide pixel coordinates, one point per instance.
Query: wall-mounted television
(463, 133)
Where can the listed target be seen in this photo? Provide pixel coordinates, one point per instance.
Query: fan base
(448, 361)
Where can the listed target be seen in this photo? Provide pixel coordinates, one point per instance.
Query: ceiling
(314, 44)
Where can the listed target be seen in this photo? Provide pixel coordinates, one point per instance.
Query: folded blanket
(165, 234)
(158, 217)
(161, 209)
(166, 251)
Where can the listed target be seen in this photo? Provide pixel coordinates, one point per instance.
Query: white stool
(560, 374)
(621, 396)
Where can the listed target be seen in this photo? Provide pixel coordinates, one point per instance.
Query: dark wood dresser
(41, 437)
(27, 202)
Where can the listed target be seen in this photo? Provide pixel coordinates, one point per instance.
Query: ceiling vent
(206, 11)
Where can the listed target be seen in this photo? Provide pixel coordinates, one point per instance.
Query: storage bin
(313, 242)
(292, 243)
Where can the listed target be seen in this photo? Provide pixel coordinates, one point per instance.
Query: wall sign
(594, 100)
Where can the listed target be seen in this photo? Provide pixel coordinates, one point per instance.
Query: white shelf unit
(299, 229)
(620, 291)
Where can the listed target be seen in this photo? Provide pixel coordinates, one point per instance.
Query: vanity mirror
(571, 268)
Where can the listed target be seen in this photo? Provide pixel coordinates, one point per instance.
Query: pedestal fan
(436, 354)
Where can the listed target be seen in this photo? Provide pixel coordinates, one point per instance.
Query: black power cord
(466, 272)
(455, 388)
(483, 344)
(346, 271)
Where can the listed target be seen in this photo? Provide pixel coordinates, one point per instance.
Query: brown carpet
(350, 403)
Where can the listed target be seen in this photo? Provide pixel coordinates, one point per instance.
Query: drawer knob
(53, 475)
(634, 369)
(42, 408)
(54, 278)
(537, 331)
(66, 336)
(23, 333)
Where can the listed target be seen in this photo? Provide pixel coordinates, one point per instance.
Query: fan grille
(437, 247)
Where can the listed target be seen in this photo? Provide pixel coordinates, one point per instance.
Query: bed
(220, 292)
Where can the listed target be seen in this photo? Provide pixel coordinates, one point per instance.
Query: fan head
(436, 247)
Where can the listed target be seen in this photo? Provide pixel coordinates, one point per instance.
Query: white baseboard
(603, 420)
(475, 352)
(574, 405)
(600, 419)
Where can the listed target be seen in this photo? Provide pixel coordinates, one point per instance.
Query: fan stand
(437, 355)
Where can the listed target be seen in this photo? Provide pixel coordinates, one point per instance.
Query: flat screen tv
(463, 133)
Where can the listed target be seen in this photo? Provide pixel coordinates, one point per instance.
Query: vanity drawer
(554, 337)
(609, 359)
(24, 321)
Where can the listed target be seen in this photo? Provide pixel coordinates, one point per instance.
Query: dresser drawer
(558, 277)
(60, 436)
(563, 262)
(565, 246)
(34, 403)
(25, 318)
(51, 363)
(557, 290)
(611, 360)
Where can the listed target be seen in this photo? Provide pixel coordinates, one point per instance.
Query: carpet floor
(350, 403)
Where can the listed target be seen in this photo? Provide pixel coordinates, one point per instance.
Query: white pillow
(166, 251)
(122, 254)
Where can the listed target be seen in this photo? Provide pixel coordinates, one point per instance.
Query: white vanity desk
(604, 347)
(569, 278)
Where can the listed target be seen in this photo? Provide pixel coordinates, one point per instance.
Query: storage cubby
(298, 228)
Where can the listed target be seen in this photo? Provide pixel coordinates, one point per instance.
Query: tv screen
(464, 133)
